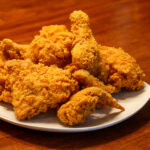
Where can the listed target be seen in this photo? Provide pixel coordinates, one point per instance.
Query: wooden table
(119, 23)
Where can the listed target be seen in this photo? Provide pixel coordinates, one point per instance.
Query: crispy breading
(53, 45)
(87, 80)
(112, 66)
(83, 103)
(85, 54)
(35, 87)
(3, 73)
(9, 50)
(31, 81)
(12, 50)
(121, 69)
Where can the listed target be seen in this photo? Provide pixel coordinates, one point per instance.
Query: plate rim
(80, 129)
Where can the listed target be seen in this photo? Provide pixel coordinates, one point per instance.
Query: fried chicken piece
(83, 103)
(112, 66)
(3, 73)
(85, 54)
(9, 50)
(121, 69)
(71, 68)
(12, 50)
(53, 45)
(35, 87)
(88, 80)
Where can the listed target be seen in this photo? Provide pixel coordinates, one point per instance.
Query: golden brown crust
(3, 73)
(87, 80)
(12, 50)
(52, 46)
(85, 54)
(122, 70)
(83, 103)
(37, 87)
(30, 81)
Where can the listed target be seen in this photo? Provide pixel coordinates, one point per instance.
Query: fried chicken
(112, 66)
(9, 50)
(35, 87)
(12, 50)
(87, 80)
(52, 46)
(85, 54)
(32, 82)
(3, 73)
(121, 69)
(83, 103)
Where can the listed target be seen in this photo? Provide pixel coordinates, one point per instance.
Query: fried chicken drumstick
(85, 54)
(112, 66)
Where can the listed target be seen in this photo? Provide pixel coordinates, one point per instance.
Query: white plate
(132, 101)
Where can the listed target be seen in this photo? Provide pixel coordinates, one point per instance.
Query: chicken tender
(121, 69)
(35, 87)
(85, 54)
(83, 103)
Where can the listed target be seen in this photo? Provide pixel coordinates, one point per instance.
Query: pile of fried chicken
(65, 70)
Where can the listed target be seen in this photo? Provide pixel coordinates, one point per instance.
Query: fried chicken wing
(12, 50)
(83, 103)
(121, 69)
(85, 54)
(87, 80)
(35, 87)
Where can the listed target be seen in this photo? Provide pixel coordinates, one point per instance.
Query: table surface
(119, 23)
